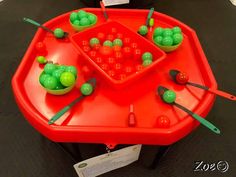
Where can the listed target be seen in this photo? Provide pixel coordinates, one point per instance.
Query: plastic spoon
(173, 73)
(41, 26)
(161, 90)
(104, 10)
(70, 105)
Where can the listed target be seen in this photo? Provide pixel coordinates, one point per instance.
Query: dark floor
(24, 153)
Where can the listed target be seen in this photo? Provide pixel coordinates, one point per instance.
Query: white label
(114, 2)
(233, 2)
(107, 162)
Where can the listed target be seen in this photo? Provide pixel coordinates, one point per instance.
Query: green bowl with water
(167, 48)
(81, 28)
(59, 91)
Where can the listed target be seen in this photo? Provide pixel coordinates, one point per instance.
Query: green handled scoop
(70, 105)
(151, 11)
(28, 20)
(161, 90)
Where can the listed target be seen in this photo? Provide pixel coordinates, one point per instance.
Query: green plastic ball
(84, 21)
(43, 77)
(117, 42)
(50, 83)
(147, 62)
(59, 86)
(94, 41)
(58, 33)
(62, 67)
(67, 79)
(107, 43)
(82, 14)
(57, 73)
(92, 18)
(158, 39)
(169, 96)
(41, 59)
(177, 38)
(158, 31)
(49, 68)
(143, 30)
(86, 89)
(176, 30)
(72, 69)
(73, 16)
(167, 41)
(76, 23)
(167, 32)
(147, 56)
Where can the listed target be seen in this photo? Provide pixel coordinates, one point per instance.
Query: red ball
(110, 37)
(105, 50)
(101, 36)
(182, 78)
(40, 47)
(163, 121)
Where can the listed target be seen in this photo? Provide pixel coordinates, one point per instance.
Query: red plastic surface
(103, 116)
(128, 60)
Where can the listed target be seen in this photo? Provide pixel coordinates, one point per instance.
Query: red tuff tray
(121, 78)
(103, 116)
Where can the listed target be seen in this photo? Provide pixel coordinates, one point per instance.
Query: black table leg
(73, 150)
(162, 150)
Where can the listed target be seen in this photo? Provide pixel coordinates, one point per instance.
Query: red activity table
(102, 117)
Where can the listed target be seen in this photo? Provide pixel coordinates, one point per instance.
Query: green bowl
(59, 92)
(81, 28)
(167, 48)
